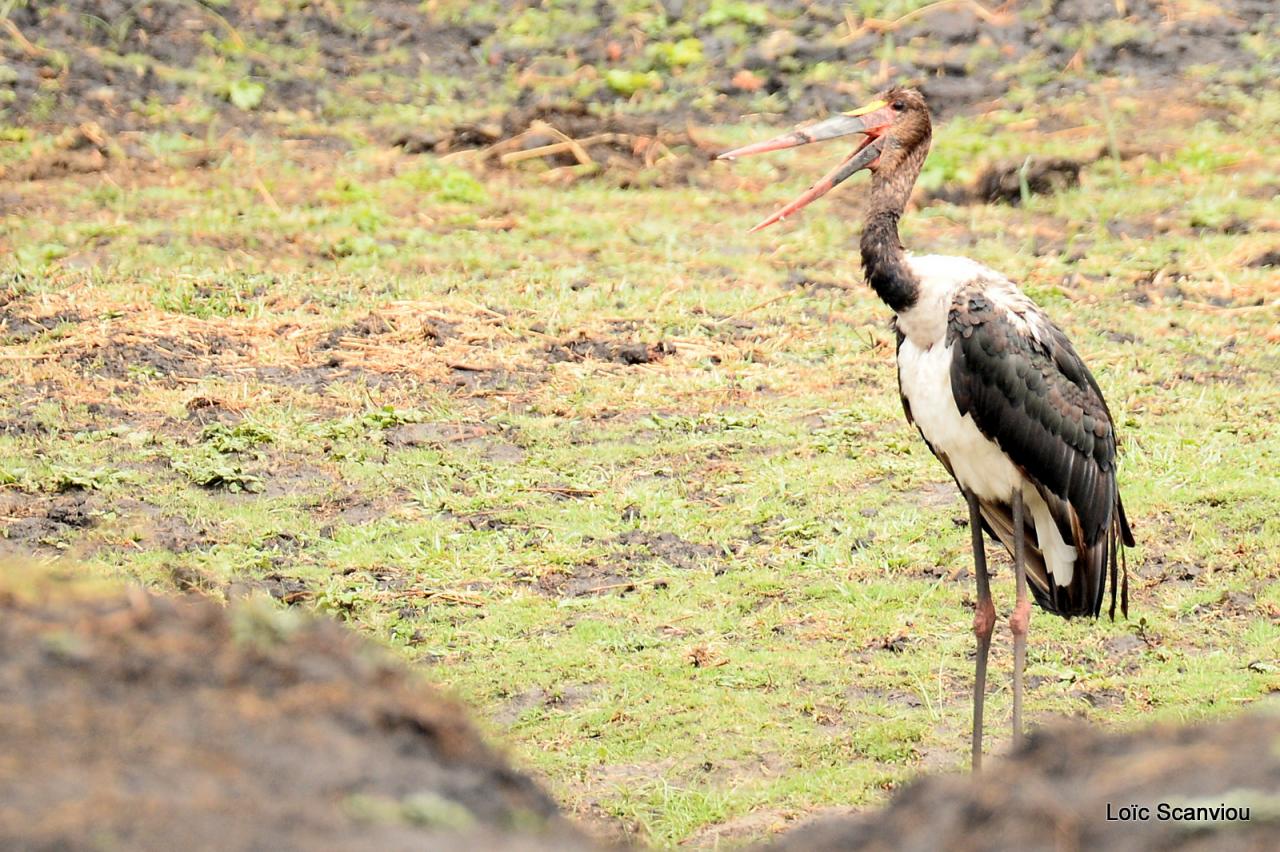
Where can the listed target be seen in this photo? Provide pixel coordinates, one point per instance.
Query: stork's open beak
(871, 120)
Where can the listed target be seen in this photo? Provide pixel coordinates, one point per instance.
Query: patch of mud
(560, 698)
(735, 832)
(189, 579)
(354, 510)
(433, 434)
(174, 533)
(584, 578)
(759, 766)
(482, 382)
(317, 378)
(168, 359)
(629, 567)
(291, 475)
(203, 410)
(369, 325)
(1004, 182)
(145, 721)
(503, 453)
(935, 494)
(431, 332)
(34, 524)
(67, 58)
(1055, 792)
(286, 589)
(667, 547)
(473, 437)
(631, 775)
(861, 698)
(30, 534)
(22, 329)
(596, 577)
(538, 126)
(625, 352)
(73, 511)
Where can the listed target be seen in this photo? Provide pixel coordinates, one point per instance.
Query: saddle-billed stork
(996, 389)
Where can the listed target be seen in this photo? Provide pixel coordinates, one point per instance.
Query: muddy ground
(1056, 792)
(142, 66)
(512, 94)
(145, 722)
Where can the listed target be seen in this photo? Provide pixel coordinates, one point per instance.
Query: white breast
(979, 465)
(941, 278)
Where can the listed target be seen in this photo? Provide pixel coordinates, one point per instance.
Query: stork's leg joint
(984, 619)
(1020, 620)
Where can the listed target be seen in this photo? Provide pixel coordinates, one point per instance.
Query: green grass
(701, 597)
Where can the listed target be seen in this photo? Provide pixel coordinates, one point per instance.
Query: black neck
(884, 261)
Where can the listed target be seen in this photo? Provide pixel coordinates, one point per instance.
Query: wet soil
(615, 351)
(69, 51)
(147, 722)
(434, 434)
(1267, 258)
(66, 63)
(44, 525)
(589, 577)
(667, 547)
(168, 359)
(636, 561)
(1055, 792)
(16, 328)
(1006, 182)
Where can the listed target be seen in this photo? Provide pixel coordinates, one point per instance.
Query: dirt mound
(1056, 793)
(152, 723)
(1008, 182)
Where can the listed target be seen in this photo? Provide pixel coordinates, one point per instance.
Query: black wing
(1033, 395)
(997, 519)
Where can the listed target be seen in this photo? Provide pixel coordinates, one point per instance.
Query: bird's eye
(899, 106)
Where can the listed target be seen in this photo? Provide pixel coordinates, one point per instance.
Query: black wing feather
(1039, 402)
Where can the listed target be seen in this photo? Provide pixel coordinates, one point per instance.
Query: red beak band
(860, 159)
